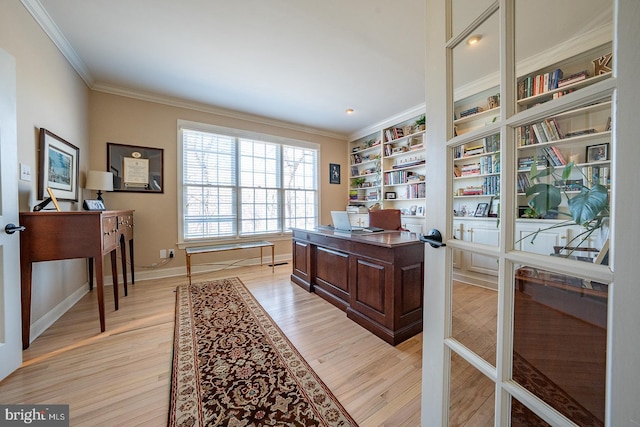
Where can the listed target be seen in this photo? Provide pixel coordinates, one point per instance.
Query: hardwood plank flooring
(122, 377)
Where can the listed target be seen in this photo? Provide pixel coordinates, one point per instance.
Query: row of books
(470, 112)
(393, 133)
(544, 131)
(525, 163)
(524, 182)
(399, 177)
(490, 186)
(597, 175)
(485, 165)
(538, 84)
(412, 191)
(490, 144)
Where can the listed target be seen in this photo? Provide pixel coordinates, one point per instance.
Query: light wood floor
(122, 377)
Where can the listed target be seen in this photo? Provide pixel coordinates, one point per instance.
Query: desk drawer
(125, 226)
(109, 233)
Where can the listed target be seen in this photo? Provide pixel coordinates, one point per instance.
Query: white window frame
(239, 134)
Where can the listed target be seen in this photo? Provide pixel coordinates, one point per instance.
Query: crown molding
(206, 108)
(400, 117)
(51, 29)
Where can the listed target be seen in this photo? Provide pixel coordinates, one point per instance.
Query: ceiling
(298, 62)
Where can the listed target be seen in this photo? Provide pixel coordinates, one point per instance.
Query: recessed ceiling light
(473, 39)
(349, 111)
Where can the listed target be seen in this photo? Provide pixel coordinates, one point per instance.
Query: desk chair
(389, 219)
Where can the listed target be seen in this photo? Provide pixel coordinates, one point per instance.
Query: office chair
(389, 219)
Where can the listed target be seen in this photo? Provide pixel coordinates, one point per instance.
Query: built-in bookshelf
(387, 170)
(364, 174)
(476, 169)
(404, 184)
(563, 77)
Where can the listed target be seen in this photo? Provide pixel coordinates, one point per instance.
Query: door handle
(12, 228)
(434, 238)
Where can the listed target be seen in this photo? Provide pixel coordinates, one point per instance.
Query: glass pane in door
(474, 316)
(476, 80)
(559, 341)
(521, 416)
(563, 182)
(472, 395)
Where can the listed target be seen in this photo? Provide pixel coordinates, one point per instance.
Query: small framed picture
(420, 210)
(93, 205)
(390, 195)
(53, 198)
(334, 173)
(481, 209)
(495, 208)
(597, 152)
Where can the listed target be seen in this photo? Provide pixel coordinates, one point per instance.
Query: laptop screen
(341, 221)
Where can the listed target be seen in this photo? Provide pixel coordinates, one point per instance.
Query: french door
(529, 306)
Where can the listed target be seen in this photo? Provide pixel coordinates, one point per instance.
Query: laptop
(341, 223)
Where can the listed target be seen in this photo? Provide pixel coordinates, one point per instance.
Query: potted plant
(589, 208)
(420, 123)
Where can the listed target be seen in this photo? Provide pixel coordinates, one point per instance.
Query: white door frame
(623, 379)
(10, 331)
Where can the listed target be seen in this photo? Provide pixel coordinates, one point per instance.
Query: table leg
(100, 290)
(114, 274)
(123, 253)
(133, 277)
(273, 260)
(189, 267)
(90, 262)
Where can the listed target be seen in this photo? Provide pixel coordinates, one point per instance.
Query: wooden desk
(50, 236)
(376, 278)
(228, 247)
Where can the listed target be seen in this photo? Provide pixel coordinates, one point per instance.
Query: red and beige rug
(233, 366)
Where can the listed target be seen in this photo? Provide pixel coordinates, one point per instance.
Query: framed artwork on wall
(58, 167)
(135, 168)
(334, 173)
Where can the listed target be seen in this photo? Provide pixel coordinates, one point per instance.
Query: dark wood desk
(376, 278)
(50, 236)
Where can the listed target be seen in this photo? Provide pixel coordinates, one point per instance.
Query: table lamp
(101, 181)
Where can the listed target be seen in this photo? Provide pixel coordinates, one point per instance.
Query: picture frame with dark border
(59, 163)
(481, 209)
(494, 210)
(599, 152)
(390, 195)
(334, 173)
(135, 168)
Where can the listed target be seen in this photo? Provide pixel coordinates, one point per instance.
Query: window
(237, 183)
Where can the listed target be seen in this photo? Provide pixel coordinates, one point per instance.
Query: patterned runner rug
(233, 366)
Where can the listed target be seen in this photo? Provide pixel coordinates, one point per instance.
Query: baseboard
(41, 325)
(161, 273)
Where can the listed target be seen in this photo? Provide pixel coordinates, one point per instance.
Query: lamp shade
(98, 180)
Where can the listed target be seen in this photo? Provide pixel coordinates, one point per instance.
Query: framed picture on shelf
(58, 167)
(597, 152)
(334, 173)
(494, 210)
(481, 209)
(390, 195)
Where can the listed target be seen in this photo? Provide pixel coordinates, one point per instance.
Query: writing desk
(376, 278)
(51, 236)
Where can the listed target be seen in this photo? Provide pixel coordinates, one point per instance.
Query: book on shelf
(573, 78)
(470, 112)
(538, 84)
(393, 133)
(525, 163)
(579, 132)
